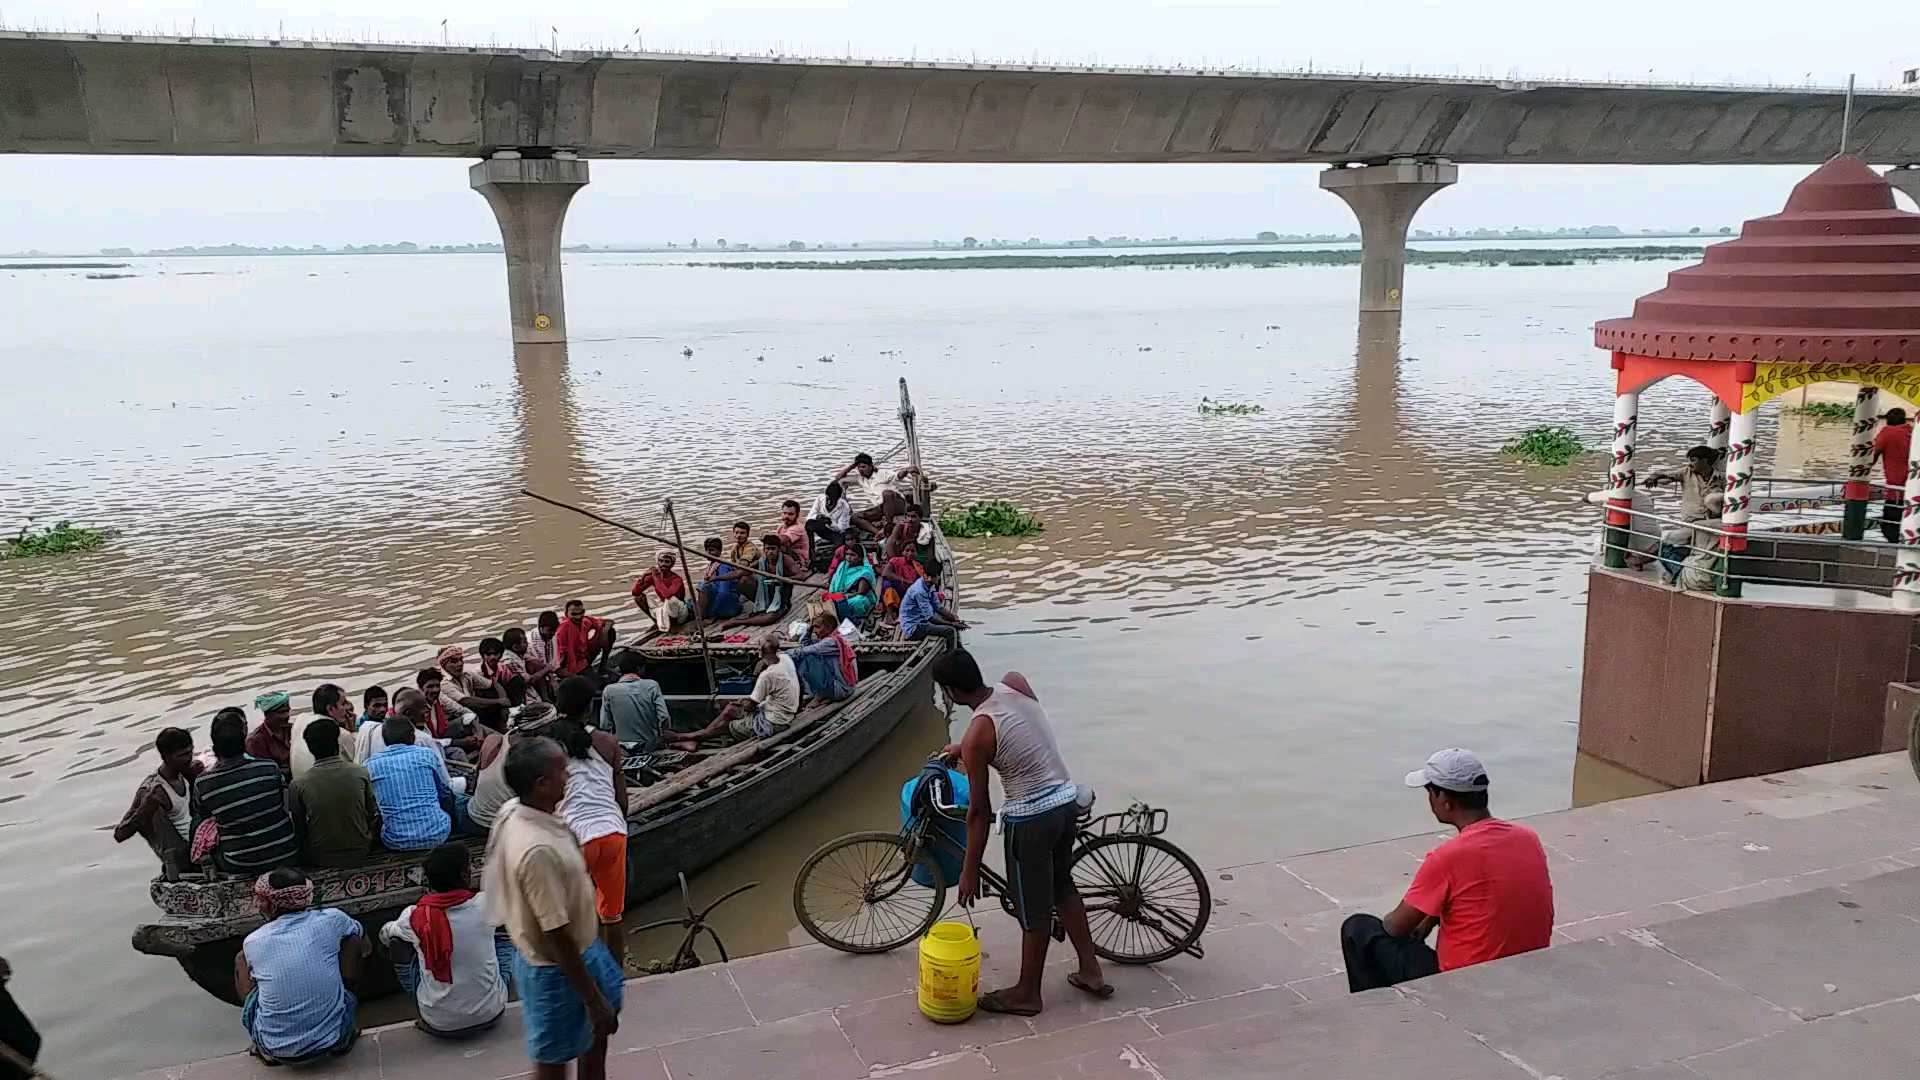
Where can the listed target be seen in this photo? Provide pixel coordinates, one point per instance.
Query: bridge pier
(529, 197)
(1384, 198)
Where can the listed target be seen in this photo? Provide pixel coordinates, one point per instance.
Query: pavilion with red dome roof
(1690, 687)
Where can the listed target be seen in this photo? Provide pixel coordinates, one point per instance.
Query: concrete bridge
(536, 118)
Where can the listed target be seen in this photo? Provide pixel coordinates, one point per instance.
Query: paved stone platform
(1757, 929)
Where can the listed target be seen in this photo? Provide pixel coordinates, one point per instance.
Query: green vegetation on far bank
(995, 518)
(1552, 444)
(1214, 259)
(61, 539)
(1825, 412)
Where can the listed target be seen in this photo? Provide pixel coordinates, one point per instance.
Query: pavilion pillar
(1906, 570)
(1735, 513)
(529, 197)
(1859, 489)
(1384, 198)
(1626, 423)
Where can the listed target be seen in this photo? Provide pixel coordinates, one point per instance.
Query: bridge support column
(1384, 198)
(529, 197)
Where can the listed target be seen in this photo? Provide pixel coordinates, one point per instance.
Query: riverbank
(1760, 928)
(1210, 260)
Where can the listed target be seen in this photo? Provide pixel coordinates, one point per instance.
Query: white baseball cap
(1452, 769)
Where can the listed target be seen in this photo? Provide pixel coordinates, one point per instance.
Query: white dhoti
(668, 612)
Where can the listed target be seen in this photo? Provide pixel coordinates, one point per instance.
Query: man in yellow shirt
(537, 883)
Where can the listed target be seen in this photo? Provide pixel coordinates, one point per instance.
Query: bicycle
(694, 922)
(870, 892)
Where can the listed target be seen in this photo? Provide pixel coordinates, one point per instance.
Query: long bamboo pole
(693, 596)
(674, 544)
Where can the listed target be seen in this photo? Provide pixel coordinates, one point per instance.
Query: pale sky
(79, 204)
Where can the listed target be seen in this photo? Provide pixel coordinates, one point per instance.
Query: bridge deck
(109, 94)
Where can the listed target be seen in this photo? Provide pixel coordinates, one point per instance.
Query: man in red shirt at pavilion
(581, 639)
(1486, 889)
(1892, 448)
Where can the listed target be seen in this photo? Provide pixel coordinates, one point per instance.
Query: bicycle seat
(937, 793)
(1084, 800)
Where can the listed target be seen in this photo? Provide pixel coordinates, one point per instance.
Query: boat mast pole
(913, 452)
(693, 597)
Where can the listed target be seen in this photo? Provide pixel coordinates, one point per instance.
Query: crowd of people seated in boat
(424, 767)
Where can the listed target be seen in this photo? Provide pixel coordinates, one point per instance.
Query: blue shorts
(554, 1017)
(349, 1033)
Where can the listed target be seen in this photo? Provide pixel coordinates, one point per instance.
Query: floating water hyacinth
(994, 518)
(1552, 444)
(1825, 412)
(63, 538)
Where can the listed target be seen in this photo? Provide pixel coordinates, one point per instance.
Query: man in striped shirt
(246, 797)
(410, 784)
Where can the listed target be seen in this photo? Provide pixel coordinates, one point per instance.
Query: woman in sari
(853, 588)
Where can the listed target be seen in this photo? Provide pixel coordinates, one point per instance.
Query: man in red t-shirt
(1892, 448)
(582, 639)
(1486, 889)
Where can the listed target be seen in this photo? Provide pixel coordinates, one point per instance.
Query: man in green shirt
(332, 803)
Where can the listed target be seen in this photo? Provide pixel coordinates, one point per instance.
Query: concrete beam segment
(106, 94)
(529, 198)
(1384, 198)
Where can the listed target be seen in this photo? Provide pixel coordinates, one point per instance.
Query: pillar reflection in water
(1375, 423)
(547, 438)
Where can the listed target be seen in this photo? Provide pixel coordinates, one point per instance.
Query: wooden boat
(704, 805)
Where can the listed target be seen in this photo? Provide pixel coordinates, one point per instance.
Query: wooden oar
(687, 552)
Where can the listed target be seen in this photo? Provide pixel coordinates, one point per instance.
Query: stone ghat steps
(1752, 929)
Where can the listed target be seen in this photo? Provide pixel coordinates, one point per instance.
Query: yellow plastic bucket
(949, 973)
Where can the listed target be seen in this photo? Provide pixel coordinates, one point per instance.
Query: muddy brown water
(1259, 622)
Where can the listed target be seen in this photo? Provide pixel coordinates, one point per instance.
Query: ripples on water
(1257, 621)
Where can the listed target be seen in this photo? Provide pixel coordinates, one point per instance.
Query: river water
(1259, 622)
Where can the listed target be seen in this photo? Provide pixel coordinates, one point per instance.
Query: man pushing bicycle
(1011, 733)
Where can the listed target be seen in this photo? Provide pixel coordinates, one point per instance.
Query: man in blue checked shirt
(410, 784)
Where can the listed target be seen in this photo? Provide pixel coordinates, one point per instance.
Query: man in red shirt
(1486, 889)
(1892, 448)
(661, 594)
(581, 638)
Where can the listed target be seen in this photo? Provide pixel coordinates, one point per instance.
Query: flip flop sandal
(1103, 992)
(990, 1002)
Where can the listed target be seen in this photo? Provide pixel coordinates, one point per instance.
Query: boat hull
(205, 923)
(692, 835)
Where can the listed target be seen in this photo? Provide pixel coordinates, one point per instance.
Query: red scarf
(430, 925)
(849, 669)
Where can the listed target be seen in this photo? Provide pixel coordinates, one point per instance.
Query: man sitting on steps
(1487, 889)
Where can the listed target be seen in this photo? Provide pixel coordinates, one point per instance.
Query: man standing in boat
(1011, 735)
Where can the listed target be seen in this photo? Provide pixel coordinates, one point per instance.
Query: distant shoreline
(1205, 260)
(907, 246)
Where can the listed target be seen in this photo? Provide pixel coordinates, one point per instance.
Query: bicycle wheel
(858, 894)
(1146, 899)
